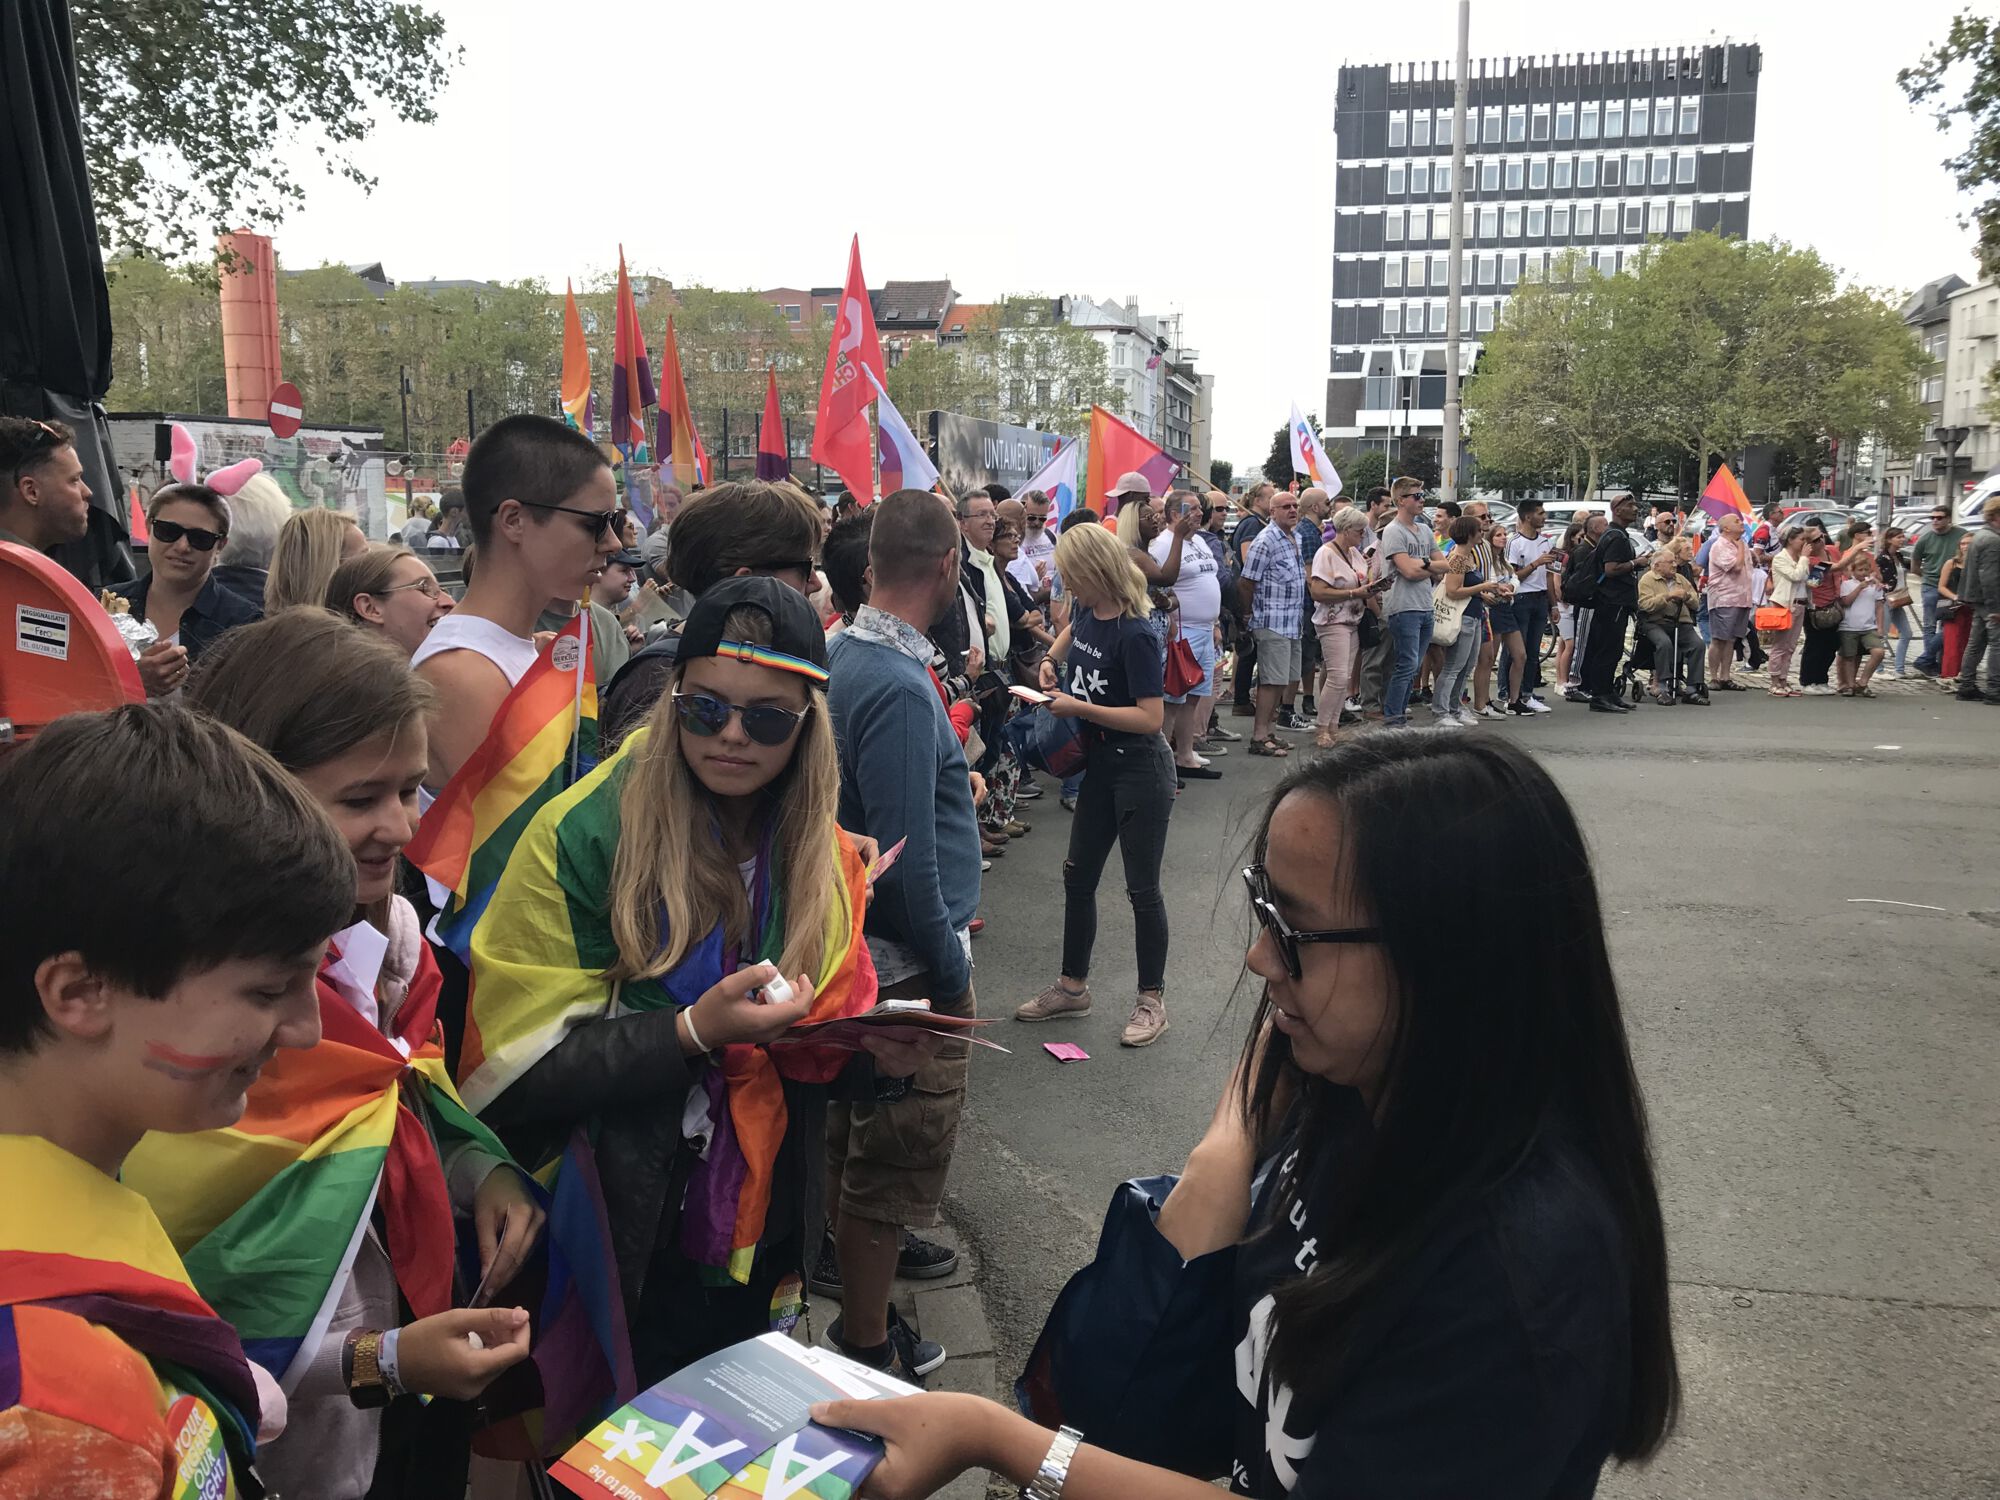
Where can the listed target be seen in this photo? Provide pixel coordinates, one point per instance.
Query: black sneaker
(825, 1278)
(1520, 710)
(906, 1356)
(924, 1260)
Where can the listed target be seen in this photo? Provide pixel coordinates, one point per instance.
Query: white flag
(896, 445)
(1309, 456)
(1057, 478)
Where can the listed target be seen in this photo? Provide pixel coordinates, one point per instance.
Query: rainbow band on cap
(778, 661)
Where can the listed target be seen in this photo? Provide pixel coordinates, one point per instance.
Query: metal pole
(471, 430)
(403, 381)
(725, 442)
(1448, 490)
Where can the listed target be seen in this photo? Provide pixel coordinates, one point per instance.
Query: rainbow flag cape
(579, 410)
(543, 738)
(1724, 495)
(538, 962)
(74, 1241)
(270, 1212)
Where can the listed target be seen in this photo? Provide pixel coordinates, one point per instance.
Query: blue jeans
(1933, 652)
(1899, 621)
(1409, 638)
(1531, 614)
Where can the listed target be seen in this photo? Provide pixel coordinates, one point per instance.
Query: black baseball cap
(629, 557)
(797, 644)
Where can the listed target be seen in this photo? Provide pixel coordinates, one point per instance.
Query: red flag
(1116, 449)
(840, 435)
(774, 459)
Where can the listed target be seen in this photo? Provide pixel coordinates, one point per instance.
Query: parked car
(1559, 515)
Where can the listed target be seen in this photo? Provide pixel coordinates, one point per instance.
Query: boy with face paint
(166, 894)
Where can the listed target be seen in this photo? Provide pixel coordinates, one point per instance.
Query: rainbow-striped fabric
(538, 962)
(79, 1249)
(269, 1213)
(543, 738)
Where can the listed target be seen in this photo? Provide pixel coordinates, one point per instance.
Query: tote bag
(1447, 615)
(1184, 672)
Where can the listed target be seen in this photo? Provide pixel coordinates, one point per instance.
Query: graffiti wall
(340, 468)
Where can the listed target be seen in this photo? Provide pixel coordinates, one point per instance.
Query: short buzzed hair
(535, 460)
(911, 532)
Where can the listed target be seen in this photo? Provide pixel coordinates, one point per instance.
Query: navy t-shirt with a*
(1113, 664)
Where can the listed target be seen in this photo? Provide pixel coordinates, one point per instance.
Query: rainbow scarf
(270, 1212)
(75, 1240)
(543, 738)
(537, 968)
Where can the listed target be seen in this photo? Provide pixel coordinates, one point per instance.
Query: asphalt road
(1823, 1072)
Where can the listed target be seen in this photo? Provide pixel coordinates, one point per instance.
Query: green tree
(188, 109)
(166, 337)
(1051, 372)
(1553, 391)
(945, 377)
(1959, 78)
(1220, 472)
(1418, 460)
(1363, 472)
(1278, 467)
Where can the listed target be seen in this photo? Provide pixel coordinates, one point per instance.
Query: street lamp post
(1951, 439)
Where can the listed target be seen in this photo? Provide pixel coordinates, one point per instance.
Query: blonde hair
(1096, 567)
(672, 876)
(308, 551)
(1128, 520)
(367, 572)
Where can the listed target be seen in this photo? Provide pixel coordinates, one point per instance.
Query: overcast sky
(1179, 153)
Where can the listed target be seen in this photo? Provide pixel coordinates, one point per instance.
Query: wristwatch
(361, 1363)
(1054, 1473)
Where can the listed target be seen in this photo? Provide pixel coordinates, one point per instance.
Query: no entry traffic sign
(287, 410)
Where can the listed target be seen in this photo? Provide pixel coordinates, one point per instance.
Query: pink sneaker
(1053, 1002)
(1149, 1020)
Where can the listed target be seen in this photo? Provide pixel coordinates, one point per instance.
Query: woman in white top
(1197, 590)
(1340, 592)
(1791, 571)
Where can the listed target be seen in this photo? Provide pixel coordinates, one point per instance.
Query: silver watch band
(1054, 1473)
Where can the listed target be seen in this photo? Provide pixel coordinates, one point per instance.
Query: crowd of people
(819, 727)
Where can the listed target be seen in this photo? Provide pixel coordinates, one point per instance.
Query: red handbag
(1184, 673)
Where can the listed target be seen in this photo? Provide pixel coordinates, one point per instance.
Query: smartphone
(1029, 695)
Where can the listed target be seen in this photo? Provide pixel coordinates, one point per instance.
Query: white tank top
(512, 654)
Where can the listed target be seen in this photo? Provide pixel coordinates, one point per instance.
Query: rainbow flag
(1724, 495)
(543, 738)
(270, 1212)
(76, 1242)
(537, 971)
(579, 410)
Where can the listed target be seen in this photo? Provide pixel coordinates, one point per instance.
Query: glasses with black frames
(766, 723)
(1287, 938)
(600, 522)
(198, 537)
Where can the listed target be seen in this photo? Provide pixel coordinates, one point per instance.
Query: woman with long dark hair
(1450, 1273)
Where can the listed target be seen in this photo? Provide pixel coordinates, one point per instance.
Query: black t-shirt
(1113, 664)
(1495, 1363)
(1247, 531)
(1616, 588)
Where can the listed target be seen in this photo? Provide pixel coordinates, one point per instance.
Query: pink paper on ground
(1066, 1052)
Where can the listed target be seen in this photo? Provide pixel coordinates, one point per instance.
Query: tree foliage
(1699, 348)
(1418, 459)
(1959, 79)
(190, 110)
(1278, 467)
(1363, 472)
(1018, 363)
(1220, 472)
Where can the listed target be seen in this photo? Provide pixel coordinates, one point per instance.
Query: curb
(952, 1311)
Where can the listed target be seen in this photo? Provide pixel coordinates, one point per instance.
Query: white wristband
(694, 1036)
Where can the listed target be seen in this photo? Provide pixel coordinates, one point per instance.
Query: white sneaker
(1490, 712)
(1535, 705)
(1889, 672)
(1818, 690)
(1452, 721)
(1352, 706)
(1465, 719)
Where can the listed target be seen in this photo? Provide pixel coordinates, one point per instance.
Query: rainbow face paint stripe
(777, 661)
(184, 1066)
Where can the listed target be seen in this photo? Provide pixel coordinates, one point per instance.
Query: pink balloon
(181, 461)
(228, 481)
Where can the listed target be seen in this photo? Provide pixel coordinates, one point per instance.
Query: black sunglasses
(765, 723)
(1285, 937)
(602, 522)
(198, 537)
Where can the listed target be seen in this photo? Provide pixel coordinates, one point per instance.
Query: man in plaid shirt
(1274, 596)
